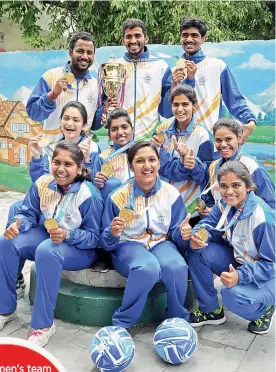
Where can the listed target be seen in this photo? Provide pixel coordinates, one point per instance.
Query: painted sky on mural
(251, 62)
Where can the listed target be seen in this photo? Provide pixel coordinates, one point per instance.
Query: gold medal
(201, 205)
(44, 141)
(203, 233)
(126, 214)
(69, 77)
(51, 224)
(107, 168)
(161, 136)
(181, 63)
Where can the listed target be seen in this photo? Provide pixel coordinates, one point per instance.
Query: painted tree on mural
(227, 20)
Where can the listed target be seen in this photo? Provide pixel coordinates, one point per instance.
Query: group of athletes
(169, 199)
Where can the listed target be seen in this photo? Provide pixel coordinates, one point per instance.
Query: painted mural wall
(251, 62)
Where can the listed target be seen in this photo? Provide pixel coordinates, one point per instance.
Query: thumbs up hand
(181, 148)
(186, 228)
(13, 230)
(189, 159)
(231, 278)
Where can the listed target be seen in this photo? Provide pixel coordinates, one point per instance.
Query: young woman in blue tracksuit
(120, 131)
(240, 249)
(73, 120)
(183, 130)
(144, 225)
(228, 138)
(73, 210)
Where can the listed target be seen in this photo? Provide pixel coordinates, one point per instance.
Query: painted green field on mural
(15, 178)
(263, 135)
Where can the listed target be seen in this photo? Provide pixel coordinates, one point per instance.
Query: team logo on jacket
(43, 207)
(243, 238)
(91, 97)
(201, 79)
(67, 217)
(147, 78)
(161, 218)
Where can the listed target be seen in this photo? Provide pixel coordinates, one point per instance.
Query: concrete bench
(90, 298)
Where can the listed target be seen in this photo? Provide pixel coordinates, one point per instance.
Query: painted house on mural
(16, 128)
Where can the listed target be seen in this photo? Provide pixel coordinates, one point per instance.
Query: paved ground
(228, 348)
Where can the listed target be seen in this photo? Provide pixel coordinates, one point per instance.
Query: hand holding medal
(107, 169)
(180, 72)
(199, 238)
(117, 226)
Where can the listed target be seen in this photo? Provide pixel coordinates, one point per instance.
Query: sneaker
(216, 317)
(6, 319)
(20, 286)
(40, 338)
(263, 324)
(100, 266)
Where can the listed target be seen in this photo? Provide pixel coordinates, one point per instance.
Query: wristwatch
(68, 234)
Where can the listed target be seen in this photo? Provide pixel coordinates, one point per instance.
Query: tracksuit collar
(87, 75)
(196, 57)
(138, 192)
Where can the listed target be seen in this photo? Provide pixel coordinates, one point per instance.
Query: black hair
(240, 170)
(80, 107)
(132, 23)
(198, 23)
(82, 35)
(77, 156)
(186, 90)
(139, 145)
(231, 124)
(116, 114)
(77, 105)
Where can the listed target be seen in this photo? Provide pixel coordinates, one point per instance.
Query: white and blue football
(112, 349)
(175, 340)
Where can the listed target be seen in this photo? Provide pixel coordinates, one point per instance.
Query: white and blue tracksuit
(145, 91)
(199, 139)
(249, 245)
(83, 90)
(148, 249)
(82, 217)
(265, 186)
(170, 168)
(214, 83)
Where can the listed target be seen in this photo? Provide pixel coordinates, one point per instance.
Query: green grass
(263, 135)
(101, 132)
(15, 177)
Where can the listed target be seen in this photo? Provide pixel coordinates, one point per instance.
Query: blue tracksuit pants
(13, 211)
(110, 185)
(50, 259)
(144, 268)
(245, 300)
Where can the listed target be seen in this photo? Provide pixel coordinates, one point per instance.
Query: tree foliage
(227, 20)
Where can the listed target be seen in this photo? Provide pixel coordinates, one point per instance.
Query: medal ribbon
(118, 151)
(223, 218)
(131, 196)
(62, 210)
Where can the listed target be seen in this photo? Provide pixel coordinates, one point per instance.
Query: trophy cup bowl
(112, 76)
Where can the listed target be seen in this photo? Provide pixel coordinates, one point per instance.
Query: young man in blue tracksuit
(144, 224)
(211, 79)
(53, 90)
(147, 83)
(68, 240)
(240, 248)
